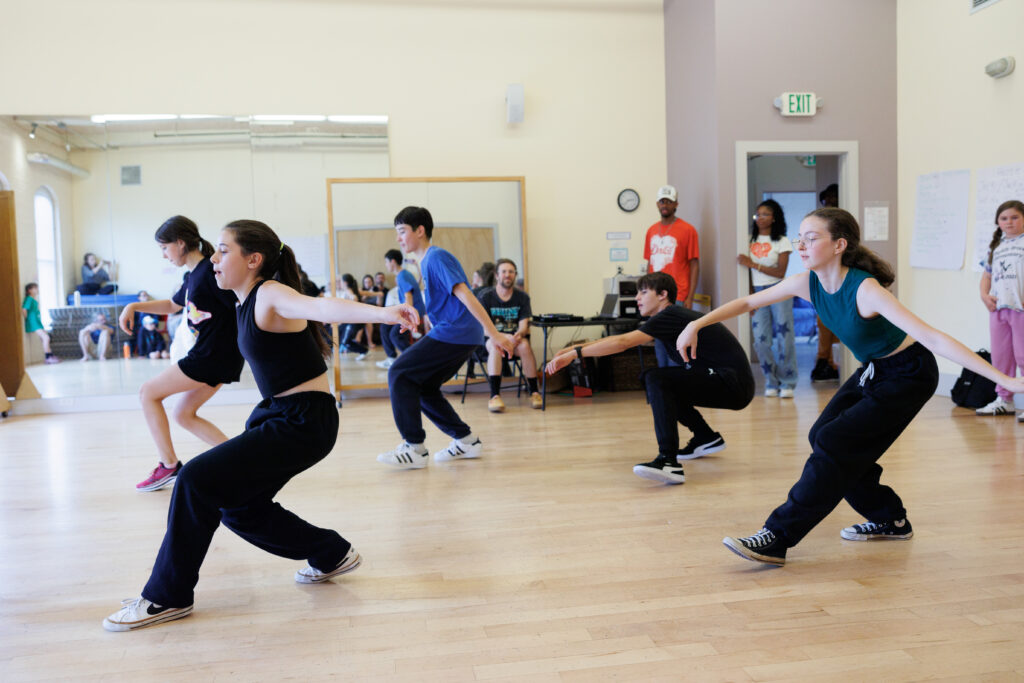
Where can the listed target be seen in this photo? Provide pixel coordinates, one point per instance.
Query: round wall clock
(629, 200)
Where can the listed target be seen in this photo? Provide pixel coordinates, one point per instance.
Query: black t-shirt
(716, 345)
(505, 314)
(210, 314)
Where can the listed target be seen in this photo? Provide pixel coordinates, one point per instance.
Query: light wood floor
(547, 560)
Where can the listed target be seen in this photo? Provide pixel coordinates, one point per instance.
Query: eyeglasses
(762, 215)
(805, 241)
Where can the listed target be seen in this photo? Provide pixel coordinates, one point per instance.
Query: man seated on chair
(509, 309)
(95, 338)
(718, 377)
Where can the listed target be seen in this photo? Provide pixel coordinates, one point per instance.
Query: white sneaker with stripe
(458, 450)
(406, 456)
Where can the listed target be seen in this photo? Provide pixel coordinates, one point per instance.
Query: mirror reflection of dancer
(290, 430)
(212, 361)
(847, 283)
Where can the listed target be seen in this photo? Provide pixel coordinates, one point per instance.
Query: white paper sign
(876, 223)
(940, 220)
(995, 185)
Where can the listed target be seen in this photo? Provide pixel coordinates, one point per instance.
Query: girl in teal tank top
(847, 283)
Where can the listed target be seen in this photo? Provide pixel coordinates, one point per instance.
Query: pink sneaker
(52, 360)
(159, 478)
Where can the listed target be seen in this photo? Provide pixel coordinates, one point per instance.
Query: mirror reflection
(107, 184)
(478, 220)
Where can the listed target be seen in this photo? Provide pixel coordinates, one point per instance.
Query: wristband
(579, 353)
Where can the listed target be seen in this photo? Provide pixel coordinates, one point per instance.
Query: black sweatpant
(674, 391)
(414, 382)
(235, 483)
(858, 425)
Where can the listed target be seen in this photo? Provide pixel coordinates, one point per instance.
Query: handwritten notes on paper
(995, 185)
(940, 220)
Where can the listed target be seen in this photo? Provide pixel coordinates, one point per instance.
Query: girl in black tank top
(213, 360)
(290, 430)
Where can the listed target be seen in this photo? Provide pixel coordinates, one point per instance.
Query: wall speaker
(514, 103)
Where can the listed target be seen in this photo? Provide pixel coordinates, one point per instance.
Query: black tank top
(279, 360)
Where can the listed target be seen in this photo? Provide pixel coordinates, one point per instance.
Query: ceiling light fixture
(114, 118)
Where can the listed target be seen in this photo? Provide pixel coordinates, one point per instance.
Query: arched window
(47, 253)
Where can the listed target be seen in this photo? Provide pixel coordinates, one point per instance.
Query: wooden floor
(547, 560)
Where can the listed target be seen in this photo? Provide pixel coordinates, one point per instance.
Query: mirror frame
(332, 247)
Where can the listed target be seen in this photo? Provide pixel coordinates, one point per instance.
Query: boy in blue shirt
(406, 291)
(458, 322)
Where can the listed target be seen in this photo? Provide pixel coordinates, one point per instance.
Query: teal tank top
(867, 338)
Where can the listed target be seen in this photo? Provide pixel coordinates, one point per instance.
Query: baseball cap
(667, 192)
(148, 320)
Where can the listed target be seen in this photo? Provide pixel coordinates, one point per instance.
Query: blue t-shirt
(407, 283)
(452, 322)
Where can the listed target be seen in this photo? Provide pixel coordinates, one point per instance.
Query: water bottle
(127, 350)
(77, 297)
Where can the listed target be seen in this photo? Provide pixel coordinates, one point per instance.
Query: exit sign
(798, 104)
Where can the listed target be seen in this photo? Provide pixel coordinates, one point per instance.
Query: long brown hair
(254, 237)
(997, 236)
(181, 228)
(842, 224)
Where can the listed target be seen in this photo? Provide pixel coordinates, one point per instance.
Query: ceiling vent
(981, 4)
(131, 175)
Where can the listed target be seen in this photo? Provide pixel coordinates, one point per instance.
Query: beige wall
(727, 60)
(593, 75)
(953, 116)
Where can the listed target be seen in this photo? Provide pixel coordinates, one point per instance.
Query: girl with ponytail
(212, 360)
(290, 430)
(847, 284)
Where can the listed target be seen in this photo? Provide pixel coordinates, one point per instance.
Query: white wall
(953, 116)
(593, 74)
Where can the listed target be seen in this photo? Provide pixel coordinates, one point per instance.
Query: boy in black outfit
(720, 377)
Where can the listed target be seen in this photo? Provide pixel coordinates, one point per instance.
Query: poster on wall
(995, 185)
(940, 220)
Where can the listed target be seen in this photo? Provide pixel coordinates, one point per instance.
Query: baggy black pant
(414, 382)
(674, 391)
(394, 340)
(235, 483)
(858, 425)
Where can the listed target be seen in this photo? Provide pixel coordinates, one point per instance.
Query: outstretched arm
(159, 307)
(793, 286)
(285, 302)
(872, 298)
(601, 347)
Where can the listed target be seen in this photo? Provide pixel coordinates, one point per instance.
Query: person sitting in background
(95, 337)
(309, 288)
(348, 332)
(150, 341)
(483, 277)
(509, 309)
(95, 278)
(34, 321)
(372, 295)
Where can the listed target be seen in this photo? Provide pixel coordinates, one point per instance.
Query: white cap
(148, 320)
(667, 192)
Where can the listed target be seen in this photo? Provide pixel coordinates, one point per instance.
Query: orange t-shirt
(669, 250)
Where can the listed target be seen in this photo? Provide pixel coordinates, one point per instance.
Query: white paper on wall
(940, 220)
(995, 185)
(875, 227)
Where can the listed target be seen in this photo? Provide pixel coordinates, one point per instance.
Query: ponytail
(842, 224)
(181, 228)
(254, 237)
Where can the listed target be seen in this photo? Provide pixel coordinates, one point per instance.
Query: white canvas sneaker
(310, 574)
(458, 450)
(140, 612)
(405, 456)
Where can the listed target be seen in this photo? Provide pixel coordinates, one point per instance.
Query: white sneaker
(771, 393)
(1020, 417)
(405, 456)
(386, 363)
(457, 450)
(310, 574)
(140, 612)
(785, 393)
(996, 407)
(362, 356)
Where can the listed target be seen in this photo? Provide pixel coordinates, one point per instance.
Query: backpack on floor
(971, 390)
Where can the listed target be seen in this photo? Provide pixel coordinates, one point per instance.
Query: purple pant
(1006, 329)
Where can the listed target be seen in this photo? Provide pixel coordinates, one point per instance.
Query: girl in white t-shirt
(1002, 292)
(772, 326)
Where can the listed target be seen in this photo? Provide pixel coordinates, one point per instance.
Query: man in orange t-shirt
(671, 247)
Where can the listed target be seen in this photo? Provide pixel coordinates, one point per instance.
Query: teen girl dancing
(213, 360)
(290, 430)
(847, 285)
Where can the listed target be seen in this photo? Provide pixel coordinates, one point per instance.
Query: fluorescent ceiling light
(109, 118)
(356, 119)
(202, 116)
(263, 118)
(40, 158)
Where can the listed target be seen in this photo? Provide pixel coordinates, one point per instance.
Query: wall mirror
(130, 175)
(476, 218)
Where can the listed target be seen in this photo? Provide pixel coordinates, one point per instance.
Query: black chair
(510, 367)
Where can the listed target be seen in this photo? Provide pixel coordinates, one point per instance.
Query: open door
(12, 328)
